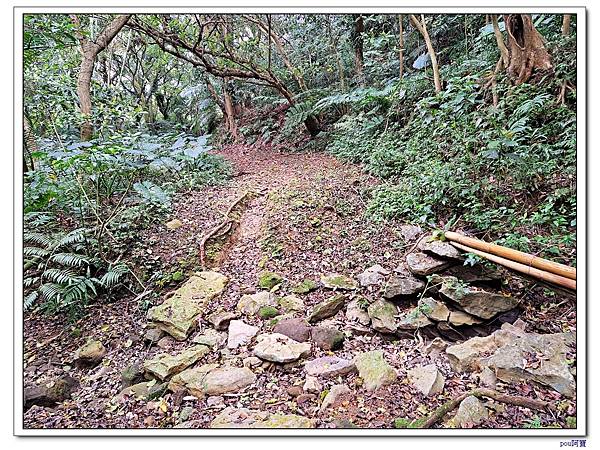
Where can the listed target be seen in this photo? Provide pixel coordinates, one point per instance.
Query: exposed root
(225, 226)
(440, 412)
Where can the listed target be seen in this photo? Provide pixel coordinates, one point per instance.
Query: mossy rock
(177, 276)
(305, 287)
(402, 422)
(267, 312)
(268, 280)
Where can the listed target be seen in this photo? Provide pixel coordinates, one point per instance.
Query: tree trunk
(229, 109)
(566, 25)
(29, 145)
(434, 63)
(500, 41)
(526, 48)
(84, 79)
(400, 46)
(357, 42)
(89, 53)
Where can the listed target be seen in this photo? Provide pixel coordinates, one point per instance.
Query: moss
(305, 287)
(571, 422)
(267, 312)
(177, 276)
(268, 280)
(402, 422)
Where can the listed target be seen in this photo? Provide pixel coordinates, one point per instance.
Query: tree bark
(357, 42)
(500, 41)
(566, 25)
(526, 48)
(434, 62)
(400, 46)
(29, 145)
(89, 52)
(229, 109)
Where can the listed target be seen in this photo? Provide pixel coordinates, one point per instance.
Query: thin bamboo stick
(514, 255)
(528, 270)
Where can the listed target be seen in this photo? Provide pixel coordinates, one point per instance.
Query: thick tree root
(225, 226)
(440, 412)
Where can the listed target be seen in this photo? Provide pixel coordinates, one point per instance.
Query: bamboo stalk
(531, 271)
(514, 255)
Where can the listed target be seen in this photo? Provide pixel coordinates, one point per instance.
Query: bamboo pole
(528, 270)
(514, 255)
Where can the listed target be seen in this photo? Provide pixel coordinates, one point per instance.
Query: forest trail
(307, 220)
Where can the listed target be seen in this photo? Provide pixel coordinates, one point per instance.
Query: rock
(146, 390)
(268, 280)
(153, 335)
(427, 379)
(374, 370)
(51, 394)
(434, 309)
(514, 356)
(471, 411)
(460, 318)
(185, 413)
(373, 276)
(312, 385)
(297, 329)
(413, 319)
(245, 418)
(291, 303)
(267, 312)
(402, 287)
(327, 338)
(215, 401)
(329, 366)
(192, 380)
(305, 287)
(305, 398)
(439, 249)
(90, 354)
(132, 374)
(240, 333)
(251, 361)
(409, 232)
(178, 314)
(476, 274)
(337, 281)
(383, 316)
(356, 313)
(227, 379)
(423, 265)
(336, 395)
(251, 304)
(435, 347)
(479, 303)
(327, 308)
(174, 224)
(280, 348)
(211, 338)
(165, 365)
(488, 378)
(294, 391)
(166, 342)
(220, 319)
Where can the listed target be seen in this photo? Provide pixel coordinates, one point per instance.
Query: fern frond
(70, 259)
(72, 237)
(42, 239)
(62, 276)
(114, 275)
(36, 252)
(30, 299)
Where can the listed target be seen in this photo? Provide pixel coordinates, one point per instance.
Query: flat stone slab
(178, 314)
(240, 333)
(423, 265)
(439, 249)
(402, 286)
(280, 348)
(165, 365)
(383, 316)
(329, 366)
(338, 281)
(250, 304)
(427, 379)
(246, 418)
(373, 276)
(327, 308)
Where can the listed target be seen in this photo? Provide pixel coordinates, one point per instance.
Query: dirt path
(309, 219)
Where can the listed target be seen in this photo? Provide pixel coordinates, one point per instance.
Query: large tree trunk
(357, 42)
(500, 41)
(437, 81)
(229, 109)
(29, 145)
(89, 52)
(400, 47)
(526, 48)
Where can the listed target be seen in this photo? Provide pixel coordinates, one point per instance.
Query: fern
(70, 259)
(114, 275)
